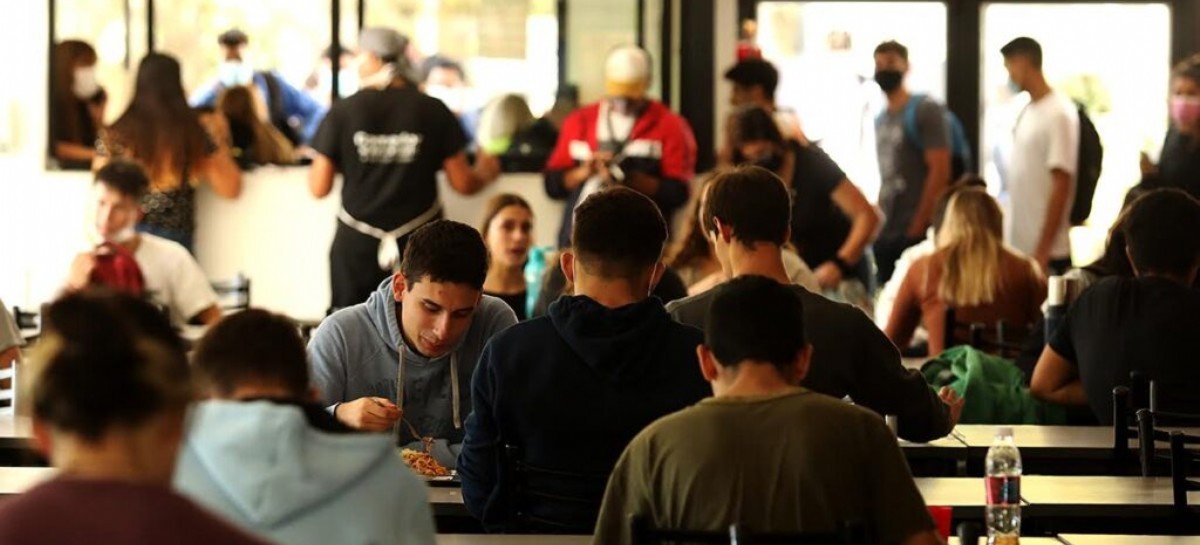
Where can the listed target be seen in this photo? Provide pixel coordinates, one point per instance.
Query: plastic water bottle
(1003, 470)
(535, 268)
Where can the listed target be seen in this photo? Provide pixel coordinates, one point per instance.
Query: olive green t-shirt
(788, 463)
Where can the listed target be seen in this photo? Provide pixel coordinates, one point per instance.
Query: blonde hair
(971, 241)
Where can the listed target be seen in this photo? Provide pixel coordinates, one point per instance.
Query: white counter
(276, 234)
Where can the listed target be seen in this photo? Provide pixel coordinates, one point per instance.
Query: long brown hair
(159, 129)
(68, 55)
(270, 147)
(692, 246)
(495, 205)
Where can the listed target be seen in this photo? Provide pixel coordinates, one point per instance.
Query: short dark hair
(753, 123)
(751, 200)
(1024, 47)
(1162, 232)
(892, 46)
(110, 359)
(233, 38)
(126, 177)
(445, 251)
(755, 72)
(443, 62)
(1188, 68)
(755, 318)
(618, 233)
(252, 347)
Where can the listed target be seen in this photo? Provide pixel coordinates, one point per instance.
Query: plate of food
(426, 466)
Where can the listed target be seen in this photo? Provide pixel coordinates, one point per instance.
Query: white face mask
(122, 236)
(235, 73)
(347, 82)
(455, 98)
(85, 86)
(379, 80)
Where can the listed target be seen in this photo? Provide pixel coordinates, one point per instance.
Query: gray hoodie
(356, 353)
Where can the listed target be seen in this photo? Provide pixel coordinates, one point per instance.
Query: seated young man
(172, 277)
(424, 328)
(570, 389)
(765, 452)
(265, 455)
(747, 214)
(1148, 323)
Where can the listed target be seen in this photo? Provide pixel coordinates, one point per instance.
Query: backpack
(960, 147)
(1087, 169)
(116, 268)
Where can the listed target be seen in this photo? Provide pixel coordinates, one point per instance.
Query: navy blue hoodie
(571, 389)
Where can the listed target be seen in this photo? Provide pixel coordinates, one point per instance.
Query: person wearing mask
(293, 113)
(754, 82)
(507, 230)
(1147, 323)
(325, 483)
(912, 173)
(172, 278)
(972, 272)
(254, 141)
(444, 79)
(1179, 163)
(746, 215)
(388, 141)
(109, 408)
(804, 462)
(611, 349)
(832, 223)
(319, 84)
(402, 361)
(195, 148)
(78, 105)
(1043, 161)
(625, 139)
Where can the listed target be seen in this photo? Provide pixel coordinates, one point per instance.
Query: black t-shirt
(389, 146)
(515, 301)
(86, 133)
(819, 228)
(1179, 164)
(1123, 324)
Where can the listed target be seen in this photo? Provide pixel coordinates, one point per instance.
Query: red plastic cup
(941, 519)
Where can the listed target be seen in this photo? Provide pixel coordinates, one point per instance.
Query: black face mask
(772, 162)
(889, 80)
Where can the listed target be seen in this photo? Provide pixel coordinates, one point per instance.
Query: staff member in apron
(388, 141)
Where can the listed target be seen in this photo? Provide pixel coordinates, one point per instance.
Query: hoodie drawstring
(454, 391)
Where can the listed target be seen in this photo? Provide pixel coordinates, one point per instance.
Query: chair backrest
(1152, 428)
(26, 319)
(531, 488)
(998, 338)
(1127, 401)
(643, 532)
(234, 294)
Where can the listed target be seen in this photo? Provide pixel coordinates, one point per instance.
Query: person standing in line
(912, 138)
(1044, 158)
(1179, 163)
(388, 140)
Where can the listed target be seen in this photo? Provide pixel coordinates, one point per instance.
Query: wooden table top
(1085, 539)
(1101, 496)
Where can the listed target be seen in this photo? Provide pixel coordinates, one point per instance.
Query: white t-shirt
(1046, 137)
(173, 277)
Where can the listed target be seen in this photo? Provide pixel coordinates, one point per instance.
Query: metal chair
(643, 532)
(1180, 457)
(998, 338)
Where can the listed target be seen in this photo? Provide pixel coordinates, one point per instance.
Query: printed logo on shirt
(387, 148)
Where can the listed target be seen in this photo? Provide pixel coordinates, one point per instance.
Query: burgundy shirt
(66, 511)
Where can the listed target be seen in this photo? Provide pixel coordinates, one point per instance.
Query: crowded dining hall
(600, 272)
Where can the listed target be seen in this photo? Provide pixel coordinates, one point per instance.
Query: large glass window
(824, 52)
(1118, 71)
(504, 46)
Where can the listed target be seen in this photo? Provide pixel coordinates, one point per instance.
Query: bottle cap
(1004, 431)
